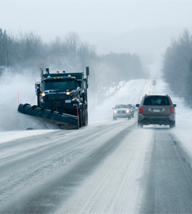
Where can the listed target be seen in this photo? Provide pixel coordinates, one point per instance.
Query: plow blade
(51, 116)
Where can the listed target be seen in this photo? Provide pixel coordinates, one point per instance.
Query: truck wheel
(85, 118)
(140, 124)
(129, 117)
(114, 118)
(80, 118)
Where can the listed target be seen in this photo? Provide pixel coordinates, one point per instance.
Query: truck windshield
(60, 85)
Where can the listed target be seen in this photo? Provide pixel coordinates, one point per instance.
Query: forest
(26, 51)
(177, 67)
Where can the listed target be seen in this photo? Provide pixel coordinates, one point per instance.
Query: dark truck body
(61, 99)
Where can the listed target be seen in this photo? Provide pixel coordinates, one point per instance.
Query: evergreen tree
(188, 95)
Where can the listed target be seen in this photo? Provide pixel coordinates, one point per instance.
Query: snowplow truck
(61, 99)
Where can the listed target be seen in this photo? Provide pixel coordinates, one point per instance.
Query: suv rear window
(156, 100)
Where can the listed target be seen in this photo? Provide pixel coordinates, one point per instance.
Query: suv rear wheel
(140, 124)
(172, 124)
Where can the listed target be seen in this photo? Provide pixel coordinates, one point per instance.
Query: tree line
(25, 51)
(177, 66)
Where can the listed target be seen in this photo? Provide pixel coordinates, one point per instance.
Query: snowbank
(13, 135)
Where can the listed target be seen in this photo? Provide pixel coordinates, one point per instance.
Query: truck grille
(55, 97)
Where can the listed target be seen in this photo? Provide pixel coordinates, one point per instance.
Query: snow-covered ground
(13, 125)
(113, 186)
(12, 135)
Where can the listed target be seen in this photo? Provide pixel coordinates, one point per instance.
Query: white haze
(142, 27)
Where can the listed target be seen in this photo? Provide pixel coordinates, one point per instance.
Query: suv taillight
(172, 109)
(141, 110)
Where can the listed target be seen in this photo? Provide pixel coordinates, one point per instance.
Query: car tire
(129, 117)
(172, 124)
(140, 124)
(114, 118)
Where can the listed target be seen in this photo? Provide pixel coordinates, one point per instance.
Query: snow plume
(13, 84)
(126, 92)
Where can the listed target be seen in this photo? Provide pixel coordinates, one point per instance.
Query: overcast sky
(117, 26)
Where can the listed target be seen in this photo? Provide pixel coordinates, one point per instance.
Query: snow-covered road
(107, 167)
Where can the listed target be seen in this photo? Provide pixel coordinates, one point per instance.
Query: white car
(121, 110)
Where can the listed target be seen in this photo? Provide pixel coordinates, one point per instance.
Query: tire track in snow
(114, 187)
(24, 186)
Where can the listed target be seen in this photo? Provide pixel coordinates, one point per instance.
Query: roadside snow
(183, 129)
(13, 135)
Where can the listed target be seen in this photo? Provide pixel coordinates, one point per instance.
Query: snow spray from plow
(11, 83)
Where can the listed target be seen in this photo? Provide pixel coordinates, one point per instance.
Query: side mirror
(137, 105)
(174, 105)
(37, 86)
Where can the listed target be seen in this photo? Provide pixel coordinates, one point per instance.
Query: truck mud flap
(52, 116)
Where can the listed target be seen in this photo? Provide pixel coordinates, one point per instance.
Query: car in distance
(121, 110)
(156, 109)
(130, 106)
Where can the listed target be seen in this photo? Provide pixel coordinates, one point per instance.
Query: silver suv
(156, 109)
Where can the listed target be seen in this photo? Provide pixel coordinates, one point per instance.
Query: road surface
(107, 167)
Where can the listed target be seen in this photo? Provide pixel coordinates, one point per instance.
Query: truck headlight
(115, 111)
(69, 92)
(127, 111)
(43, 94)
